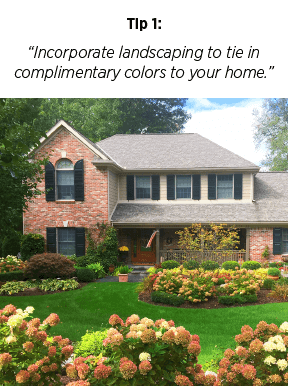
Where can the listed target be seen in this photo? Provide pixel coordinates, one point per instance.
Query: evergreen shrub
(237, 299)
(274, 272)
(163, 297)
(191, 264)
(13, 275)
(170, 264)
(230, 265)
(85, 274)
(31, 244)
(251, 265)
(209, 265)
(11, 244)
(49, 265)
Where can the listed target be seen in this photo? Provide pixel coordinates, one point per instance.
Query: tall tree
(18, 175)
(100, 118)
(271, 128)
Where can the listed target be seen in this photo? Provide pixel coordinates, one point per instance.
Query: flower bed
(11, 263)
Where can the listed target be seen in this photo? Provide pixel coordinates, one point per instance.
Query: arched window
(65, 180)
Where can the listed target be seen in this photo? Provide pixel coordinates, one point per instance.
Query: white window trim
(135, 195)
(228, 174)
(191, 192)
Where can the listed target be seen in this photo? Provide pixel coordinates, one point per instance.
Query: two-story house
(164, 182)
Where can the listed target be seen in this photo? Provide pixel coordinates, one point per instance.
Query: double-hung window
(284, 240)
(225, 186)
(143, 187)
(65, 180)
(66, 241)
(183, 186)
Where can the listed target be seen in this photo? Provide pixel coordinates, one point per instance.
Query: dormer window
(65, 180)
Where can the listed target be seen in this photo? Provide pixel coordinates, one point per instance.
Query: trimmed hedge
(237, 299)
(85, 274)
(163, 297)
(230, 265)
(268, 283)
(170, 264)
(209, 265)
(191, 264)
(274, 272)
(31, 244)
(13, 275)
(251, 265)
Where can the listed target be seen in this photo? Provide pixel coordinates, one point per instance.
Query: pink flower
(63, 342)
(9, 310)
(182, 380)
(229, 353)
(102, 371)
(32, 368)
(128, 369)
(182, 336)
(45, 369)
(71, 371)
(41, 335)
(52, 320)
(5, 358)
(57, 338)
(256, 346)
(22, 376)
(35, 377)
(115, 319)
(31, 332)
(53, 367)
(194, 348)
(34, 323)
(79, 383)
(83, 370)
(249, 372)
(224, 363)
(148, 336)
(145, 367)
(67, 351)
(242, 352)
(52, 351)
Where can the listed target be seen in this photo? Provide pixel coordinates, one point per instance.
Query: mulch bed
(212, 303)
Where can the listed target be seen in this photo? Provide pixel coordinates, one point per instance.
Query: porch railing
(183, 255)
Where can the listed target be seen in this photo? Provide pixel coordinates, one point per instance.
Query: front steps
(140, 270)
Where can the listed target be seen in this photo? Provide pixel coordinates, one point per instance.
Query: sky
(227, 122)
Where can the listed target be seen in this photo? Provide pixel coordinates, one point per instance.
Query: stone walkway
(136, 276)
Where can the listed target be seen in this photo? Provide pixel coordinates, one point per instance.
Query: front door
(144, 255)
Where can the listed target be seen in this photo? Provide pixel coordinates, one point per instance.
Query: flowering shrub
(259, 359)
(198, 287)
(169, 281)
(28, 356)
(242, 282)
(124, 249)
(11, 263)
(12, 287)
(144, 353)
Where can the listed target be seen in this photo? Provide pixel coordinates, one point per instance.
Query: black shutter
(130, 187)
(196, 187)
(51, 240)
(211, 186)
(79, 180)
(50, 182)
(80, 241)
(155, 187)
(238, 186)
(277, 241)
(171, 187)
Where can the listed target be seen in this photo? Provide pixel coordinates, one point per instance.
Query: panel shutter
(211, 186)
(51, 240)
(171, 187)
(130, 187)
(238, 186)
(277, 241)
(79, 180)
(50, 182)
(196, 187)
(155, 187)
(80, 241)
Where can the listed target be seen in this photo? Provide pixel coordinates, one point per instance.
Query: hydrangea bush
(27, 355)
(144, 353)
(11, 263)
(242, 282)
(260, 357)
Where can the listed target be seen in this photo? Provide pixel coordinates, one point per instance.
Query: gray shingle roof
(170, 151)
(271, 195)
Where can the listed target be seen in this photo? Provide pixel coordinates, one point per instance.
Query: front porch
(165, 247)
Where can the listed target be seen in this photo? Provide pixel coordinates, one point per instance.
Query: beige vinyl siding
(163, 187)
(204, 186)
(246, 193)
(122, 188)
(113, 191)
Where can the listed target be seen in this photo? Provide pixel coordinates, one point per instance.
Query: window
(143, 187)
(65, 180)
(66, 241)
(284, 240)
(225, 186)
(183, 186)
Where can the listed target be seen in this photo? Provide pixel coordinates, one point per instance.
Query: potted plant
(123, 253)
(123, 273)
(273, 273)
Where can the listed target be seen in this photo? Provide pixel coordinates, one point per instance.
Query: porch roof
(271, 207)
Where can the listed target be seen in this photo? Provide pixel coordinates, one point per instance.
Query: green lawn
(91, 307)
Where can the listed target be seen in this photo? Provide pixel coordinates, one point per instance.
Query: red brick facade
(42, 214)
(259, 238)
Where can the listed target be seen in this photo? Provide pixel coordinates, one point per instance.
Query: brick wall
(42, 214)
(259, 238)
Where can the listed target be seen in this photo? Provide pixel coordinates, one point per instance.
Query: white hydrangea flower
(281, 347)
(173, 329)
(270, 360)
(11, 339)
(284, 327)
(269, 346)
(141, 327)
(139, 333)
(148, 322)
(165, 325)
(208, 372)
(158, 334)
(15, 320)
(282, 364)
(30, 310)
(276, 339)
(144, 356)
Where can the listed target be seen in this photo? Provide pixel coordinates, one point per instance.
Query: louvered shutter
(50, 181)
(79, 180)
(211, 186)
(130, 187)
(238, 186)
(196, 187)
(277, 241)
(80, 241)
(171, 187)
(51, 240)
(155, 187)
